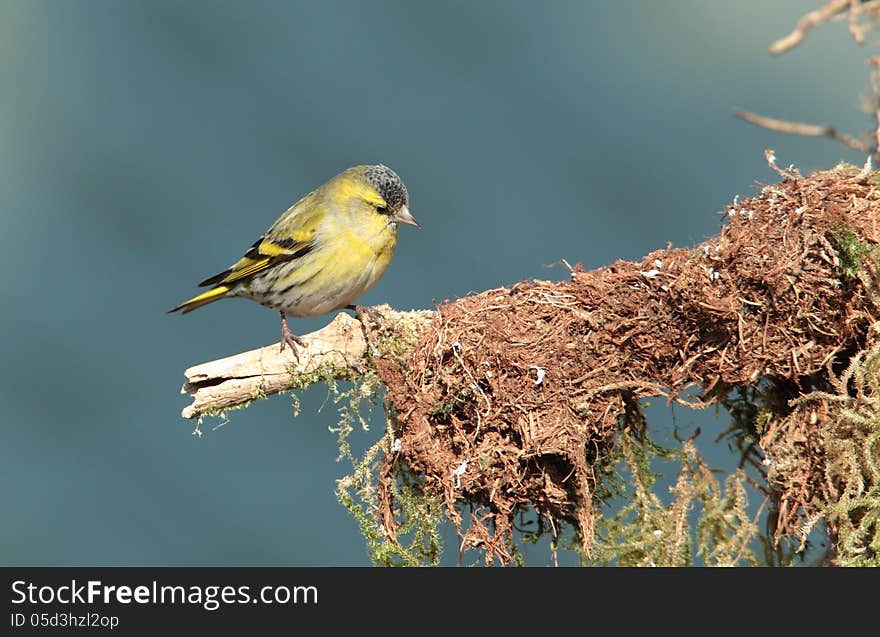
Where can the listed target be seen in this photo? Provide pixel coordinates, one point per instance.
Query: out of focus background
(145, 144)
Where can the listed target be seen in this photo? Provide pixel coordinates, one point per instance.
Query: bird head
(391, 198)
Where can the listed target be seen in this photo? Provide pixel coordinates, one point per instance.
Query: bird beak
(403, 216)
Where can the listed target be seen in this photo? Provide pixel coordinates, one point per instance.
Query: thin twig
(799, 128)
(791, 173)
(859, 8)
(810, 20)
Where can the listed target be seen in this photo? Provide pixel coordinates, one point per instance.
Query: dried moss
(511, 400)
(825, 459)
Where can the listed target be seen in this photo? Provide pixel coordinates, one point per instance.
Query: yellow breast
(348, 260)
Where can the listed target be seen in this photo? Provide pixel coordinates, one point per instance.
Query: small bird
(324, 252)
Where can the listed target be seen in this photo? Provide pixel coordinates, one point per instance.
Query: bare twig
(858, 8)
(799, 128)
(856, 29)
(791, 173)
(810, 20)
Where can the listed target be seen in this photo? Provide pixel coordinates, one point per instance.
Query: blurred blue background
(146, 144)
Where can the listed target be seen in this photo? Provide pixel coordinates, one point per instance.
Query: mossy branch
(338, 351)
(514, 398)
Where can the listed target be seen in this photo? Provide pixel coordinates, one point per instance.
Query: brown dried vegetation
(514, 398)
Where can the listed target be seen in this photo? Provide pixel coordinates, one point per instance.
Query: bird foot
(290, 339)
(366, 311)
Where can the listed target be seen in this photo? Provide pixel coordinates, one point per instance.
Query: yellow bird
(329, 248)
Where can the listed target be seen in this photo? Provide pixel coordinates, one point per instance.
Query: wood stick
(799, 128)
(809, 21)
(337, 350)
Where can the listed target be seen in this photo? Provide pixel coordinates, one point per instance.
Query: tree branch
(807, 22)
(799, 128)
(337, 351)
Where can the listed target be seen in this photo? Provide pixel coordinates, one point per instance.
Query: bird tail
(202, 299)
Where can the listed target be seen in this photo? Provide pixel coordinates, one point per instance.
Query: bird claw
(290, 339)
(293, 344)
(362, 311)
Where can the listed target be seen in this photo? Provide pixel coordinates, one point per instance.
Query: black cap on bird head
(388, 184)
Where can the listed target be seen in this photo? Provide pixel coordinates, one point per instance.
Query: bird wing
(291, 237)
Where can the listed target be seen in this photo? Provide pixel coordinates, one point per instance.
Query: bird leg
(360, 311)
(289, 338)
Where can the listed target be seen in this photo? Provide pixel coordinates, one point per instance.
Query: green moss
(851, 252)
(852, 449)
(761, 421)
(418, 536)
(646, 532)
(223, 414)
(398, 333)
(329, 374)
(444, 410)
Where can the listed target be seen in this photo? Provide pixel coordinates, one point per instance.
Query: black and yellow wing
(291, 237)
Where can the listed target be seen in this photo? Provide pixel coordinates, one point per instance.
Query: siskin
(329, 248)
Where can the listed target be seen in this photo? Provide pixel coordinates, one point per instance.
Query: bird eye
(382, 210)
